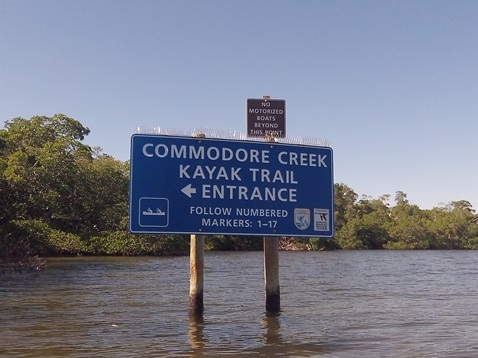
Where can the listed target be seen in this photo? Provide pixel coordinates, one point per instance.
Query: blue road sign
(191, 185)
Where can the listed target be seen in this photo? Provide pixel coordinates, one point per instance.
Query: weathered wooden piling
(271, 263)
(196, 275)
(196, 268)
(271, 274)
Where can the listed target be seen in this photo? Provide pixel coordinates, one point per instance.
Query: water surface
(334, 304)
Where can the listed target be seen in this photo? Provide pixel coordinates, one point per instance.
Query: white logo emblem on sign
(321, 219)
(154, 212)
(301, 218)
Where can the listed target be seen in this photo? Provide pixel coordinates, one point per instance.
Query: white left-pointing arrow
(188, 190)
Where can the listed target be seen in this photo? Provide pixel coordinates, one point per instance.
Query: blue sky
(391, 85)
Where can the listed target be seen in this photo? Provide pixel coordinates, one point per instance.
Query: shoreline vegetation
(59, 196)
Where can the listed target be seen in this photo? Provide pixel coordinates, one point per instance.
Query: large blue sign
(191, 185)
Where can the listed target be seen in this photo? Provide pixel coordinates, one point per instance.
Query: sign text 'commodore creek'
(191, 185)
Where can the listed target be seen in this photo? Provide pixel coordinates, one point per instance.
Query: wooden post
(271, 274)
(196, 275)
(271, 263)
(196, 268)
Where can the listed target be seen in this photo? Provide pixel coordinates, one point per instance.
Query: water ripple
(334, 304)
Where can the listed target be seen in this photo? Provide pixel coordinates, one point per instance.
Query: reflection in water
(196, 332)
(362, 304)
(271, 324)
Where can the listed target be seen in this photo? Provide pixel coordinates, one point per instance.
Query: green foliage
(123, 243)
(58, 196)
(373, 224)
(228, 242)
(344, 204)
(39, 167)
(36, 237)
(365, 227)
(319, 244)
(409, 226)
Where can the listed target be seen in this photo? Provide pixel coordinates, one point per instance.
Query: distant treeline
(58, 196)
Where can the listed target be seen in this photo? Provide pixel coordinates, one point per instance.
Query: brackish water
(334, 304)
